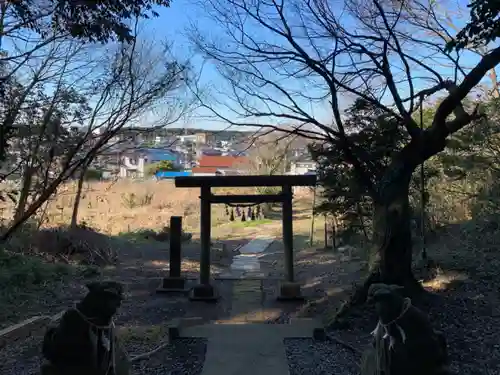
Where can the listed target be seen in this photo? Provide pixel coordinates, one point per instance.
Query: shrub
(163, 235)
(164, 165)
(133, 200)
(81, 245)
(20, 271)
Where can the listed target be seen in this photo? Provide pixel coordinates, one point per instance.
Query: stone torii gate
(204, 290)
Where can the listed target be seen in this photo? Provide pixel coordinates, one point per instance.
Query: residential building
(201, 151)
(134, 162)
(209, 165)
(186, 138)
(203, 138)
(302, 166)
(109, 163)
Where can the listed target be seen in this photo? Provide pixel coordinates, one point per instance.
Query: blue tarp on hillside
(171, 174)
(155, 155)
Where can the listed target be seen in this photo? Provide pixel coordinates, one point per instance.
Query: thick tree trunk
(392, 238)
(392, 220)
(391, 261)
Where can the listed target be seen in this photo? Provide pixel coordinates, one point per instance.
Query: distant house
(203, 138)
(107, 162)
(209, 165)
(208, 151)
(302, 166)
(188, 138)
(134, 162)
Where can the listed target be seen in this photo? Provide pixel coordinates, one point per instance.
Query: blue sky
(172, 24)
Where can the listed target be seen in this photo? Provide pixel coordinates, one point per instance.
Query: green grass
(249, 223)
(29, 284)
(138, 236)
(19, 271)
(28, 272)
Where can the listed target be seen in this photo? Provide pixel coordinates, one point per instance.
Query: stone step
(248, 348)
(246, 275)
(297, 328)
(253, 354)
(257, 245)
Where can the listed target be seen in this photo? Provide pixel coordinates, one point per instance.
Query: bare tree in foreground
(35, 25)
(269, 154)
(60, 68)
(281, 58)
(167, 102)
(130, 81)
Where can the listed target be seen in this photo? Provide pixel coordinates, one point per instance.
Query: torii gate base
(289, 289)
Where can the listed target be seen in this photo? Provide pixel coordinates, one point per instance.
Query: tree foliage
(483, 27)
(375, 136)
(56, 20)
(94, 21)
(161, 166)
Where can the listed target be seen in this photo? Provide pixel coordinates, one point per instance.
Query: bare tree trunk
(326, 232)
(78, 196)
(27, 179)
(43, 215)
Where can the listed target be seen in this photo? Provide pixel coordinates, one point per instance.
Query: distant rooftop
(224, 161)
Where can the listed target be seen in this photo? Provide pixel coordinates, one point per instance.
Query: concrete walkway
(247, 262)
(247, 293)
(244, 344)
(248, 349)
(257, 245)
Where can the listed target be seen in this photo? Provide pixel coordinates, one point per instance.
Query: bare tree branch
(77, 116)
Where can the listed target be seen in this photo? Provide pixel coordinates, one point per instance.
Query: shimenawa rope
(100, 330)
(381, 332)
